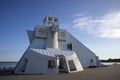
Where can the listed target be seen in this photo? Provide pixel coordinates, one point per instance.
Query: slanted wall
(36, 64)
(84, 54)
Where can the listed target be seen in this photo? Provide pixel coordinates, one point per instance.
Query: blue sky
(95, 23)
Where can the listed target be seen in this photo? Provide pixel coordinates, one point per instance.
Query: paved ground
(101, 73)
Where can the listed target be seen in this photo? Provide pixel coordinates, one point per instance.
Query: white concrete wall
(52, 39)
(55, 40)
(30, 35)
(38, 43)
(76, 62)
(37, 64)
(83, 53)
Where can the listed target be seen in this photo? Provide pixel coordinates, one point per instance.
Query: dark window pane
(71, 65)
(51, 64)
(69, 46)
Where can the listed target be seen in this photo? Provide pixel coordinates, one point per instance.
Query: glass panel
(51, 64)
(71, 65)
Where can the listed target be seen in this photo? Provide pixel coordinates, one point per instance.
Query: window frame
(51, 64)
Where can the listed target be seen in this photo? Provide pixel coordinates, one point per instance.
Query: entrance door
(62, 63)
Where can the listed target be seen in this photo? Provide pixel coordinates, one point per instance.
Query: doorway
(62, 64)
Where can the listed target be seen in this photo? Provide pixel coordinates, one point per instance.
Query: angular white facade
(47, 61)
(53, 50)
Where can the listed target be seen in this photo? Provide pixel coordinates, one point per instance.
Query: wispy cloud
(106, 26)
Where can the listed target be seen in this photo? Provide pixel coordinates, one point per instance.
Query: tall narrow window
(69, 46)
(24, 64)
(71, 65)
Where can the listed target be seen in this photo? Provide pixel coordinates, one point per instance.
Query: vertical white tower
(52, 30)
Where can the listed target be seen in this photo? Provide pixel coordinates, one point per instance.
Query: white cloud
(106, 26)
(79, 14)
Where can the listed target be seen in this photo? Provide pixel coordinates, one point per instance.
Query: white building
(53, 50)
